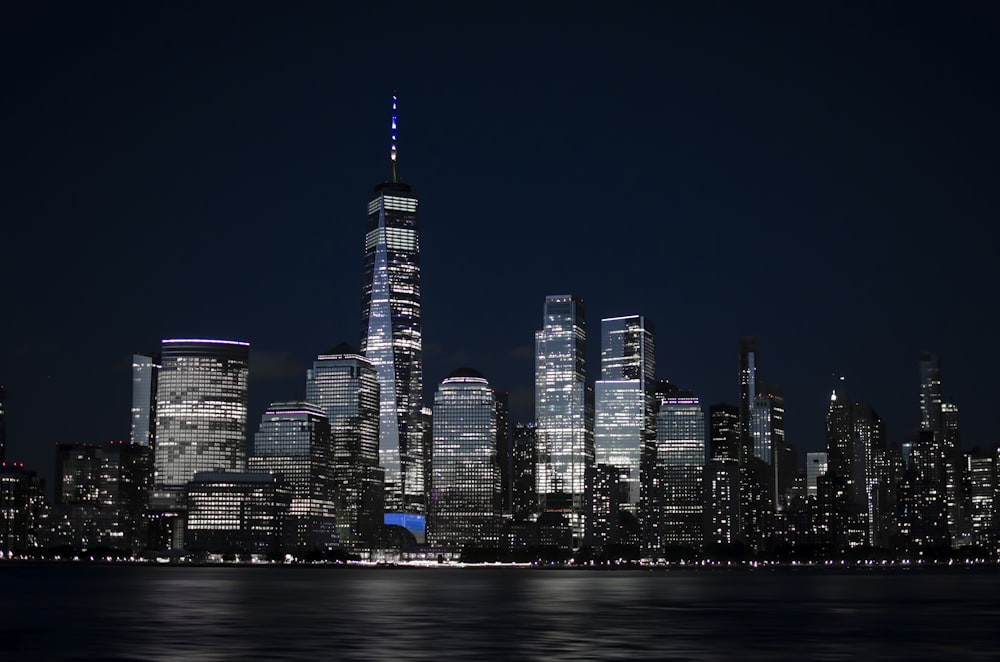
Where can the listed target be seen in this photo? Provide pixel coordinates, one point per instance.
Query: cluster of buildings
(624, 464)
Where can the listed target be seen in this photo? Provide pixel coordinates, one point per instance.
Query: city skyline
(177, 174)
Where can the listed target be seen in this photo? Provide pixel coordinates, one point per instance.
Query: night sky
(821, 176)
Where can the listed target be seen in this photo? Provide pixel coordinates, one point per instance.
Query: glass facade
(816, 466)
(465, 488)
(564, 437)
(144, 373)
(525, 496)
(201, 413)
(345, 386)
(236, 513)
(101, 494)
(680, 466)
(391, 339)
(22, 504)
(294, 441)
(623, 411)
(3, 424)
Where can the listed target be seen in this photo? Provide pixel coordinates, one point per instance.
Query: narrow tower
(391, 334)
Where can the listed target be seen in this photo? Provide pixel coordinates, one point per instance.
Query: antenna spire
(392, 153)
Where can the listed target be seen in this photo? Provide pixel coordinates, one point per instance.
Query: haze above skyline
(822, 177)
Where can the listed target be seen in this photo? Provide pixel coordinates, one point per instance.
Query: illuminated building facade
(391, 335)
(816, 466)
(756, 476)
(562, 412)
(3, 424)
(680, 468)
(345, 386)
(294, 441)
(101, 495)
(465, 488)
(724, 438)
(524, 456)
(144, 379)
(624, 401)
(980, 478)
(767, 429)
(722, 502)
(201, 418)
(236, 513)
(22, 504)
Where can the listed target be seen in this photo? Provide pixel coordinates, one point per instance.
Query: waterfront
(96, 611)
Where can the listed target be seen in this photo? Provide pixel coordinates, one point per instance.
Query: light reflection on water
(91, 612)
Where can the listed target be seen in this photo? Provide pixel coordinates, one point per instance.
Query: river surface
(75, 611)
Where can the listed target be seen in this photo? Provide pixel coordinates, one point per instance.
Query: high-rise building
(722, 501)
(980, 478)
(524, 455)
(680, 468)
(391, 335)
(624, 401)
(748, 391)
(756, 476)
(465, 488)
(505, 458)
(22, 503)
(565, 439)
(930, 392)
(951, 443)
(236, 512)
(294, 441)
(816, 466)
(101, 496)
(201, 418)
(144, 373)
(767, 428)
(847, 461)
(724, 439)
(3, 424)
(345, 386)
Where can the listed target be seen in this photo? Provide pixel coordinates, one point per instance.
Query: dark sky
(821, 175)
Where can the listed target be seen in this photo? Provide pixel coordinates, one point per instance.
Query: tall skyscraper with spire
(563, 410)
(391, 334)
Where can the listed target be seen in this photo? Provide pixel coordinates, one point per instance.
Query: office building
(391, 335)
(3, 424)
(724, 436)
(145, 368)
(236, 512)
(562, 412)
(101, 497)
(680, 468)
(525, 496)
(624, 405)
(294, 441)
(22, 506)
(465, 487)
(344, 385)
(201, 420)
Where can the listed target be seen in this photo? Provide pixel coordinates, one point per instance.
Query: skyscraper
(294, 441)
(201, 416)
(3, 424)
(624, 401)
(564, 438)
(144, 374)
(524, 456)
(465, 488)
(680, 467)
(345, 386)
(930, 392)
(391, 334)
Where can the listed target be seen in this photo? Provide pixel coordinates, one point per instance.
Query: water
(102, 612)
